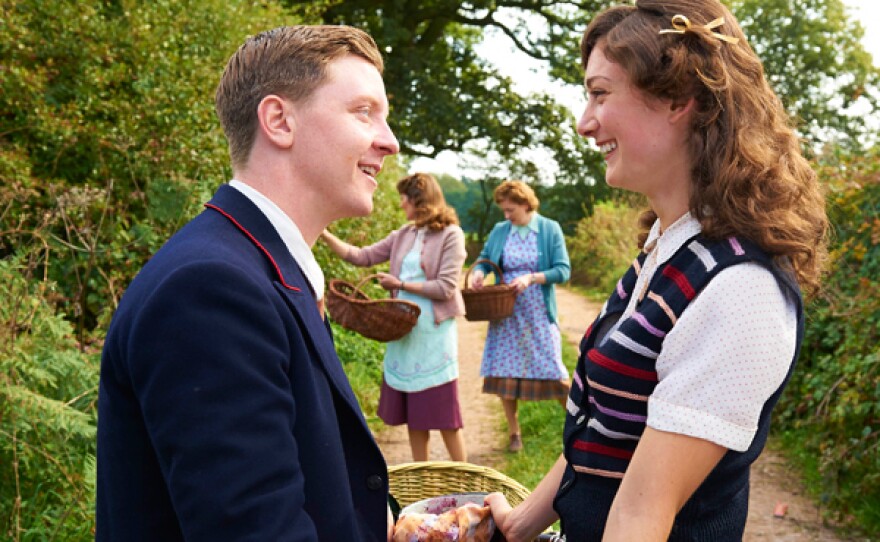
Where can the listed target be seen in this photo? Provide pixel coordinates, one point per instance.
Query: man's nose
(386, 140)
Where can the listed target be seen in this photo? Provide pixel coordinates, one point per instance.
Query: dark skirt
(524, 389)
(433, 408)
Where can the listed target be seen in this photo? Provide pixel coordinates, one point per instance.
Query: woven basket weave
(412, 482)
(378, 319)
(493, 302)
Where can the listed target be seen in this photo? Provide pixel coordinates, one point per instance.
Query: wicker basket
(378, 319)
(489, 302)
(412, 482)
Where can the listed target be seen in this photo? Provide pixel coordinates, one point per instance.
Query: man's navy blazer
(223, 410)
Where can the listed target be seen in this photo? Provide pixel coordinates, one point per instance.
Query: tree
(814, 59)
(445, 97)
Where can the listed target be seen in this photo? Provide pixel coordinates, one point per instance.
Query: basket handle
(364, 281)
(499, 275)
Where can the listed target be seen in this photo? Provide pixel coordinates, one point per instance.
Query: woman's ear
(681, 109)
(275, 117)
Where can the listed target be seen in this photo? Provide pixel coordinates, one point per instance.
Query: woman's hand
(513, 529)
(533, 515)
(389, 281)
(390, 524)
(477, 279)
(500, 512)
(523, 281)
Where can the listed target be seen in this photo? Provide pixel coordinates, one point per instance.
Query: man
(224, 413)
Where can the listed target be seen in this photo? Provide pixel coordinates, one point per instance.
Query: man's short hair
(290, 62)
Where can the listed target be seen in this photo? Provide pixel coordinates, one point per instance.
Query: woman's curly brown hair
(749, 176)
(424, 192)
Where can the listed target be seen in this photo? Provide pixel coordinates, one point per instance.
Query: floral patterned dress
(526, 345)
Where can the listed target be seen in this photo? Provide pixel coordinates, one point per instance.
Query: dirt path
(772, 482)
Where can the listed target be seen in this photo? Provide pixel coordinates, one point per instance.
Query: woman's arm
(665, 470)
(452, 256)
(532, 516)
(337, 245)
(560, 266)
(363, 257)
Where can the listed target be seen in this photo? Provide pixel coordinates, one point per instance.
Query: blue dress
(428, 355)
(526, 345)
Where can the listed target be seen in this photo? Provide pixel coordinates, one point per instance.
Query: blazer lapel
(290, 281)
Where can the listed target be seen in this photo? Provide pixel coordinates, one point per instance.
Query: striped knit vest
(607, 406)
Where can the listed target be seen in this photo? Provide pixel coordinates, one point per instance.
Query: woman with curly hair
(420, 381)
(671, 399)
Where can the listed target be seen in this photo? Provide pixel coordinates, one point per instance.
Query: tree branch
(489, 21)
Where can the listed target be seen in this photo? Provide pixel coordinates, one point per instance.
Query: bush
(109, 139)
(603, 245)
(48, 391)
(831, 409)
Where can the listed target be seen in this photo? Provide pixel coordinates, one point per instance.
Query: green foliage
(831, 408)
(108, 139)
(603, 245)
(108, 143)
(362, 361)
(48, 390)
(473, 202)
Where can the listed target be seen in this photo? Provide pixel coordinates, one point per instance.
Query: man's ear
(681, 109)
(275, 116)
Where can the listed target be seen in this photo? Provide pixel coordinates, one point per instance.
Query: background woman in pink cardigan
(420, 385)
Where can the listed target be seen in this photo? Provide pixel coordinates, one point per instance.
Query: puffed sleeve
(727, 354)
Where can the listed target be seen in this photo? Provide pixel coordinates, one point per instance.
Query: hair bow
(681, 24)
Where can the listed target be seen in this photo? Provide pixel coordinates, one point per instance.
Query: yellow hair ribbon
(681, 24)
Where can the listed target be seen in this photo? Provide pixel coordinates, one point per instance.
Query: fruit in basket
(467, 523)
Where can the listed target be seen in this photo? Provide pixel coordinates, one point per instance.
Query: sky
(529, 75)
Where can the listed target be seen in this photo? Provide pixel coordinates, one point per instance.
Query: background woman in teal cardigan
(522, 359)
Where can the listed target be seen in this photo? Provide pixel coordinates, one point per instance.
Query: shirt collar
(290, 234)
(667, 243)
(532, 224)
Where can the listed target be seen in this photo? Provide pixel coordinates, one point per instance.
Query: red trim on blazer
(254, 240)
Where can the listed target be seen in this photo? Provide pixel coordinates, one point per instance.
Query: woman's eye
(596, 94)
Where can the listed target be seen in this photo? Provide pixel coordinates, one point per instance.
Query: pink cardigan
(442, 257)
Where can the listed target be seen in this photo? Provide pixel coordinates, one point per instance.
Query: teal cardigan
(552, 257)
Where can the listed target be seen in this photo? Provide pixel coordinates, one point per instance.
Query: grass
(541, 423)
(592, 293)
(862, 520)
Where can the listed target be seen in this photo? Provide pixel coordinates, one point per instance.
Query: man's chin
(363, 210)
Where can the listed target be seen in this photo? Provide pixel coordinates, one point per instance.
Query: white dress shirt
(290, 234)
